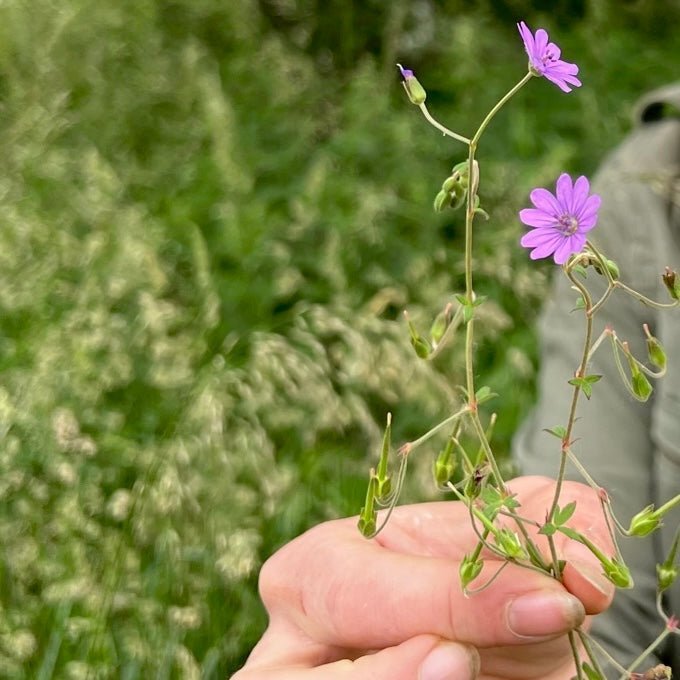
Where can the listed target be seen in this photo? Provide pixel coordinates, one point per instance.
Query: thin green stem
(644, 299)
(668, 505)
(575, 654)
(581, 371)
(410, 446)
(594, 643)
(499, 106)
(442, 128)
(585, 642)
(643, 655)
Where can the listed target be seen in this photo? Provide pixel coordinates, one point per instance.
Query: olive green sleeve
(631, 449)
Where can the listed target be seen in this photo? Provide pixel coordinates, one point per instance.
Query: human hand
(344, 607)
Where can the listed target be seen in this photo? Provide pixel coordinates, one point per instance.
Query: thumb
(425, 657)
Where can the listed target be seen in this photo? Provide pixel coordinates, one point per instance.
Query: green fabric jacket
(631, 449)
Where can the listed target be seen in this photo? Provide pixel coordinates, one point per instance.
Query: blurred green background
(213, 213)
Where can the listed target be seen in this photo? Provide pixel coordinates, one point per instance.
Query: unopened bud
(367, 523)
(665, 576)
(442, 200)
(644, 523)
(670, 280)
(618, 573)
(445, 464)
(415, 91)
(612, 267)
(510, 544)
(475, 482)
(469, 570)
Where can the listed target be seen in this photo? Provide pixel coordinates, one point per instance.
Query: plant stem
(643, 655)
(443, 129)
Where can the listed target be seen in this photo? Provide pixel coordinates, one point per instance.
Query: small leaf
(579, 304)
(484, 394)
(557, 431)
(548, 529)
(564, 515)
(585, 384)
(591, 673)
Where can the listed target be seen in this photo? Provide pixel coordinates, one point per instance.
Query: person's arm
(621, 442)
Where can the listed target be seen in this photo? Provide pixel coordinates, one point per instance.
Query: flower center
(567, 225)
(547, 58)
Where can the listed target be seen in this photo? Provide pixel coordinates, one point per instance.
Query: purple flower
(544, 59)
(560, 223)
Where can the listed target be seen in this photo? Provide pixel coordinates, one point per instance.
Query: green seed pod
(510, 544)
(665, 576)
(644, 523)
(618, 573)
(642, 388)
(656, 353)
(469, 570)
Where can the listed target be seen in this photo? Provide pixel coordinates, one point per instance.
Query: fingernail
(449, 661)
(544, 613)
(581, 559)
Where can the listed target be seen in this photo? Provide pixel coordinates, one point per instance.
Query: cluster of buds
(455, 187)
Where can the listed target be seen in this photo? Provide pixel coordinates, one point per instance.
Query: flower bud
(421, 347)
(618, 573)
(367, 523)
(442, 200)
(469, 570)
(665, 576)
(670, 280)
(415, 91)
(475, 482)
(445, 465)
(644, 523)
(612, 267)
(510, 544)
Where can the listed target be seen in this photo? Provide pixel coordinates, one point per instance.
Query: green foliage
(212, 217)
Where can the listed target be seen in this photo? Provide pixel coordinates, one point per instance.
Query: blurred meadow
(213, 214)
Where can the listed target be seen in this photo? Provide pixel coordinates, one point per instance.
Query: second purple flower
(559, 223)
(544, 59)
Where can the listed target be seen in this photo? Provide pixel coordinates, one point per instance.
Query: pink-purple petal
(589, 210)
(533, 217)
(579, 195)
(541, 237)
(544, 200)
(568, 247)
(541, 40)
(564, 191)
